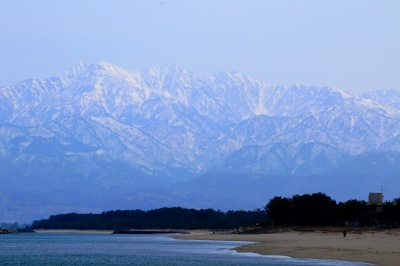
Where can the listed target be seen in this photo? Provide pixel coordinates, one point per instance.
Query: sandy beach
(380, 247)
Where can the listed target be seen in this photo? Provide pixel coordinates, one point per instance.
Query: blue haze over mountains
(99, 137)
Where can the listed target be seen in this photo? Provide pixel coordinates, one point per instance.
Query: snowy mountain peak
(160, 117)
(389, 98)
(75, 71)
(167, 73)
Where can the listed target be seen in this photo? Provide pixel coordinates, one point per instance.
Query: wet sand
(381, 247)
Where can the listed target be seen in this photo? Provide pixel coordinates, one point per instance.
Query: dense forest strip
(316, 209)
(163, 218)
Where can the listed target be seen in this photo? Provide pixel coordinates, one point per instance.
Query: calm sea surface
(107, 249)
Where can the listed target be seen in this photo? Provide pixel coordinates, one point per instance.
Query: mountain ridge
(167, 126)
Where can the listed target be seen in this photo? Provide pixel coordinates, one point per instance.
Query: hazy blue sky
(354, 45)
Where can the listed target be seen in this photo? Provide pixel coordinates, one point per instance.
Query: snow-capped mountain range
(112, 128)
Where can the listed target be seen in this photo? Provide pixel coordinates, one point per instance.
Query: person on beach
(344, 233)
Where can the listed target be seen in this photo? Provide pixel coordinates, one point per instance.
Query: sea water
(109, 249)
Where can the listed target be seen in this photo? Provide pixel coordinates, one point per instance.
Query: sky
(353, 45)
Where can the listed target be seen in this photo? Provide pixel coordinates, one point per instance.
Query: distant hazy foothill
(99, 137)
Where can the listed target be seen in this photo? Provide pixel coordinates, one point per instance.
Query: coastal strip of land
(380, 247)
(73, 231)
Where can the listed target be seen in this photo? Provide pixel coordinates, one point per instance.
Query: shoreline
(378, 247)
(368, 245)
(125, 232)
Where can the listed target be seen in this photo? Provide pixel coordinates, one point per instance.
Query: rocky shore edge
(4, 231)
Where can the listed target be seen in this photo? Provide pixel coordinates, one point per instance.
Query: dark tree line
(316, 209)
(319, 209)
(163, 218)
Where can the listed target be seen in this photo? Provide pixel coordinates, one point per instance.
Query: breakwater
(141, 232)
(7, 231)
